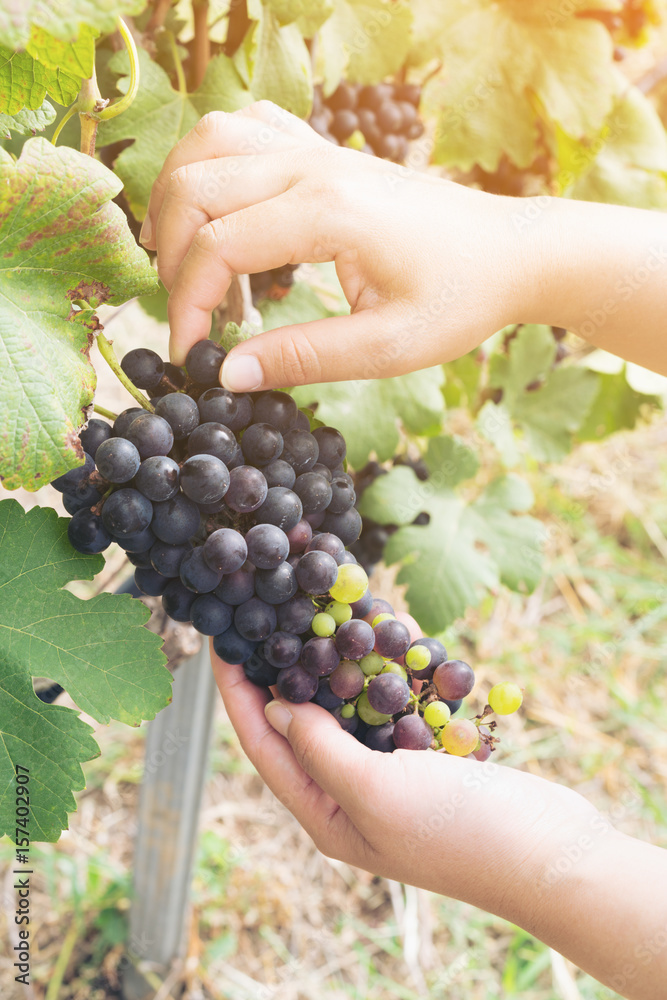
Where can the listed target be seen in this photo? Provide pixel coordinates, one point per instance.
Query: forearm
(598, 270)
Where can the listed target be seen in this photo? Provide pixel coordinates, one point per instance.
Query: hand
(425, 264)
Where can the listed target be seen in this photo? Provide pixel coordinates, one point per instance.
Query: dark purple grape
(342, 495)
(453, 704)
(295, 616)
(157, 478)
(141, 542)
(204, 478)
(380, 738)
(87, 533)
(281, 507)
(362, 607)
(379, 607)
(373, 95)
(408, 92)
(302, 421)
(259, 672)
(314, 520)
(218, 406)
(331, 444)
(296, 685)
(409, 115)
(176, 520)
(210, 616)
(196, 574)
(368, 125)
(232, 647)
(94, 433)
(244, 412)
(150, 434)
(236, 587)
(255, 619)
(299, 536)
(325, 697)
(453, 679)
(392, 638)
(204, 361)
(415, 130)
(150, 582)
(349, 558)
(300, 450)
(247, 489)
(347, 526)
(143, 367)
(70, 480)
(268, 546)
(412, 733)
(225, 550)
(343, 124)
(314, 491)
(322, 470)
(347, 680)
(279, 473)
(117, 460)
(142, 560)
(85, 497)
(180, 412)
(275, 586)
(276, 408)
(388, 146)
(177, 601)
(213, 439)
(355, 639)
(282, 649)
(124, 419)
(126, 512)
(166, 558)
(316, 572)
(389, 117)
(344, 96)
(349, 724)
(326, 542)
(388, 693)
(320, 656)
(261, 443)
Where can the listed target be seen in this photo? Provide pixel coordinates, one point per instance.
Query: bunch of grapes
(238, 516)
(379, 119)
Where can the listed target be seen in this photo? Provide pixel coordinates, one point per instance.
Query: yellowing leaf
(363, 40)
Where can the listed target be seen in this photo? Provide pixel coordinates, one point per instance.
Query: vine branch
(109, 355)
(178, 65)
(201, 50)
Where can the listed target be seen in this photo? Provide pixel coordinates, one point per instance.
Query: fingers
(261, 127)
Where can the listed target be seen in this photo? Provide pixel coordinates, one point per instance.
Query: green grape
(437, 714)
(368, 714)
(372, 664)
(418, 657)
(384, 617)
(505, 698)
(351, 583)
(459, 737)
(323, 624)
(348, 711)
(339, 611)
(357, 140)
(391, 667)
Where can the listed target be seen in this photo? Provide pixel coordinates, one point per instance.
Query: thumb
(331, 757)
(359, 346)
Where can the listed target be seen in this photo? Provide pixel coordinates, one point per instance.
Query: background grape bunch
(238, 515)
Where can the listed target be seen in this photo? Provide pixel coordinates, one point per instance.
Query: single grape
(300, 450)
(437, 713)
(389, 117)
(175, 520)
(355, 639)
(361, 607)
(141, 560)
(150, 434)
(296, 685)
(343, 495)
(347, 526)
(347, 680)
(372, 664)
(505, 698)
(143, 367)
(374, 94)
(351, 584)
(141, 542)
(236, 587)
(261, 443)
(94, 433)
(247, 489)
(255, 619)
(388, 146)
(384, 617)
(177, 601)
(282, 649)
(453, 679)
(299, 537)
(482, 752)
(339, 611)
(218, 406)
(275, 586)
(314, 520)
(244, 412)
(326, 542)
(259, 672)
(204, 478)
(324, 696)
(323, 624)
(368, 125)
(213, 439)
(85, 497)
(166, 558)
(295, 616)
(124, 419)
(225, 550)
(279, 473)
(412, 733)
(344, 123)
(344, 96)
(392, 638)
(428, 651)
(157, 478)
(320, 656)
(368, 714)
(381, 738)
(204, 361)
(70, 480)
(281, 507)
(180, 412)
(316, 572)
(150, 582)
(232, 647)
(379, 607)
(388, 693)
(322, 470)
(459, 737)
(126, 512)
(314, 492)
(196, 574)
(268, 546)
(391, 667)
(331, 445)
(276, 408)
(87, 533)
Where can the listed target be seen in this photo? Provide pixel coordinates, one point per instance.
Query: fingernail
(146, 230)
(241, 373)
(278, 716)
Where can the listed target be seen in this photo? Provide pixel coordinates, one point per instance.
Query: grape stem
(102, 410)
(109, 355)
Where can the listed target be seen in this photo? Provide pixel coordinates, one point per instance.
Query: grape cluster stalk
(239, 514)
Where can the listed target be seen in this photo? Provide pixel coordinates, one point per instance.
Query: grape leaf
(363, 41)
(61, 240)
(98, 650)
(27, 122)
(63, 20)
(49, 66)
(369, 414)
(308, 14)
(280, 63)
(159, 116)
(560, 63)
(616, 407)
(301, 305)
(548, 415)
(465, 549)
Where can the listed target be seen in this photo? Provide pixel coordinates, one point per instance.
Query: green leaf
(616, 407)
(515, 543)
(309, 15)
(561, 67)
(281, 65)
(369, 414)
(49, 66)
(462, 378)
(77, 58)
(63, 20)
(98, 650)
(61, 240)
(301, 305)
(450, 461)
(159, 116)
(28, 122)
(363, 41)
